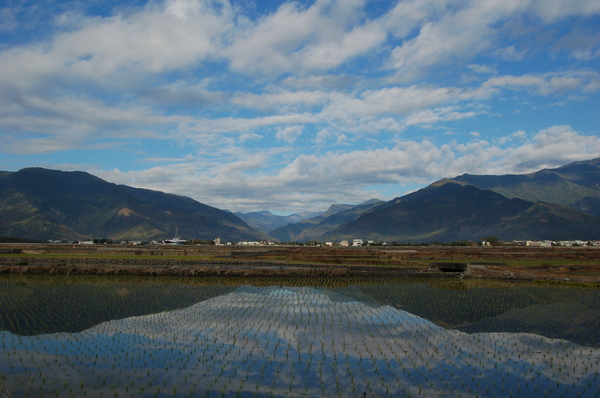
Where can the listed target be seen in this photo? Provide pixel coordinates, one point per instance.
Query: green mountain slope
(452, 212)
(46, 204)
(576, 185)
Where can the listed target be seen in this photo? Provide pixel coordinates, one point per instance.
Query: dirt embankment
(215, 271)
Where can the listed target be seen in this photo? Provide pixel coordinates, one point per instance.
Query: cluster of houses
(354, 243)
(550, 243)
(346, 243)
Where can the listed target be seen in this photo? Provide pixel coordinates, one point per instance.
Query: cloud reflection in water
(293, 342)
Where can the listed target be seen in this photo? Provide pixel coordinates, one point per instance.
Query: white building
(357, 242)
(545, 243)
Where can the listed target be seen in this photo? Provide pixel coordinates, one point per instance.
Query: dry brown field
(565, 264)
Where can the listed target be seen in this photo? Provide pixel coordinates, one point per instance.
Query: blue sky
(292, 106)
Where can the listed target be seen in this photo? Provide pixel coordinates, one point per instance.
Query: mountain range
(450, 211)
(554, 204)
(313, 228)
(41, 204)
(266, 221)
(576, 185)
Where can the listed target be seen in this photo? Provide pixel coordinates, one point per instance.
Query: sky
(292, 106)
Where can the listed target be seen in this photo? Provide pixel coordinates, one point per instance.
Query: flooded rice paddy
(96, 337)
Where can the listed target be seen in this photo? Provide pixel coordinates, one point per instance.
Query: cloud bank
(302, 104)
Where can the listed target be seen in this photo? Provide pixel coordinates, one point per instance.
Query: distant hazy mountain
(290, 232)
(451, 211)
(37, 203)
(265, 221)
(576, 185)
(315, 227)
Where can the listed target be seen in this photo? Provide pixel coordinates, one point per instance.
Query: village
(342, 243)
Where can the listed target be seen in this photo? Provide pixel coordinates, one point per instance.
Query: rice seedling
(305, 341)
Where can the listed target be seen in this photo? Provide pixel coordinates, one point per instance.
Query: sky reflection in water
(293, 342)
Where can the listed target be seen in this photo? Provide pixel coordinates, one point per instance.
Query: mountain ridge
(315, 227)
(41, 204)
(265, 221)
(576, 185)
(560, 203)
(453, 212)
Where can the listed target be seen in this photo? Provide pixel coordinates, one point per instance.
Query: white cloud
(237, 91)
(548, 83)
(51, 88)
(482, 69)
(115, 50)
(66, 123)
(282, 101)
(322, 137)
(249, 137)
(552, 10)
(359, 113)
(315, 181)
(407, 16)
(458, 35)
(455, 32)
(333, 53)
(436, 115)
(322, 82)
(317, 37)
(183, 94)
(238, 125)
(289, 134)
(551, 147)
(510, 53)
(519, 134)
(159, 38)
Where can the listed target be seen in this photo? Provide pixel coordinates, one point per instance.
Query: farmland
(285, 321)
(570, 264)
(110, 336)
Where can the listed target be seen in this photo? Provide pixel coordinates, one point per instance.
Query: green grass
(569, 284)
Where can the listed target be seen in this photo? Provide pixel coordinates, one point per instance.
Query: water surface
(313, 341)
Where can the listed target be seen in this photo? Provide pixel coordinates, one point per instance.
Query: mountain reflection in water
(280, 341)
